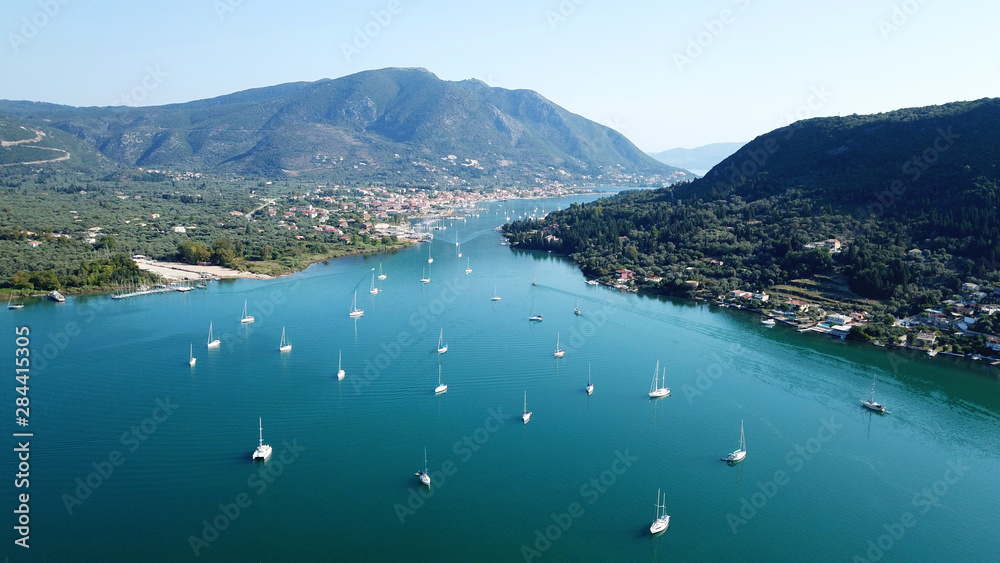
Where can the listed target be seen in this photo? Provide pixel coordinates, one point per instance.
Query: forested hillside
(911, 197)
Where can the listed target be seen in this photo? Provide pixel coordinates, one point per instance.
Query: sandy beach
(177, 271)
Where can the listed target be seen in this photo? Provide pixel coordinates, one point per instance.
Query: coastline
(179, 271)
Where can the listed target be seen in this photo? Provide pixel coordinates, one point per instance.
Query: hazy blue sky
(666, 74)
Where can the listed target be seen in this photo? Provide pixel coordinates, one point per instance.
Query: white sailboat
(560, 352)
(527, 414)
(662, 519)
(424, 278)
(740, 453)
(429, 259)
(576, 308)
(373, 290)
(424, 477)
(355, 312)
(191, 358)
(533, 282)
(284, 346)
(340, 370)
(767, 321)
(263, 450)
(212, 343)
(11, 304)
(468, 265)
(661, 391)
(442, 347)
(246, 319)
(381, 276)
(533, 316)
(441, 388)
(495, 296)
(872, 405)
(590, 386)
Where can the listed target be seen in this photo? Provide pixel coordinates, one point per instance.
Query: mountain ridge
(388, 124)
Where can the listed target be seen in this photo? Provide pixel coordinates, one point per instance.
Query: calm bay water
(822, 477)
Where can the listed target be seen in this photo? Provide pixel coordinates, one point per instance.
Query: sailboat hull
(873, 406)
(660, 525)
(735, 457)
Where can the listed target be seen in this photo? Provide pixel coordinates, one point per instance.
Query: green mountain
(386, 125)
(925, 179)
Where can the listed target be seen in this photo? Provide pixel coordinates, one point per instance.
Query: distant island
(888, 222)
(698, 159)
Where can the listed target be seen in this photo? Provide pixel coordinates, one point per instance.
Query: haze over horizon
(666, 76)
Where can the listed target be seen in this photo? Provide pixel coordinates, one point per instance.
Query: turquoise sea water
(162, 450)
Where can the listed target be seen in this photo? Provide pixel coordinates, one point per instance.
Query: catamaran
(424, 477)
(740, 453)
(191, 358)
(662, 519)
(441, 388)
(872, 405)
(373, 290)
(284, 346)
(355, 312)
(442, 347)
(212, 343)
(590, 386)
(560, 352)
(246, 319)
(495, 296)
(527, 414)
(661, 391)
(340, 370)
(263, 450)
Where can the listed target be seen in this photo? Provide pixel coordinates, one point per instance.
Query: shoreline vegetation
(150, 227)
